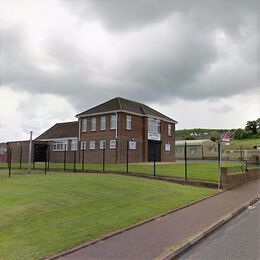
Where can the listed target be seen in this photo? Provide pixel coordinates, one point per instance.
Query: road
(237, 239)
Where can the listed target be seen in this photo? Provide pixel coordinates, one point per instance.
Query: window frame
(93, 122)
(74, 145)
(169, 130)
(85, 125)
(112, 147)
(102, 123)
(113, 118)
(62, 144)
(154, 126)
(92, 145)
(102, 144)
(128, 122)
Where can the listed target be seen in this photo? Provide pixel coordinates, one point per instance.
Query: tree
(251, 127)
(258, 125)
(240, 134)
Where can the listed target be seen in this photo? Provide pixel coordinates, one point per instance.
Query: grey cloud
(175, 63)
(222, 109)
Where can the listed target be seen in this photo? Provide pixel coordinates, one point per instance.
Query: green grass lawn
(44, 214)
(247, 143)
(205, 171)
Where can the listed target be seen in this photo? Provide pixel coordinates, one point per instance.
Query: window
(153, 125)
(112, 144)
(92, 145)
(93, 124)
(103, 123)
(60, 145)
(83, 145)
(128, 122)
(102, 144)
(169, 130)
(179, 149)
(84, 125)
(74, 145)
(113, 122)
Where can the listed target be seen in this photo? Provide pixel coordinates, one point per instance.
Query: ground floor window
(102, 144)
(74, 145)
(92, 145)
(60, 145)
(83, 145)
(112, 144)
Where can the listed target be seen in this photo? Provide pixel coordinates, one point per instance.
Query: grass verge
(44, 214)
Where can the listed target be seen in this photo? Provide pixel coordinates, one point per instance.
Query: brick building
(120, 122)
(115, 125)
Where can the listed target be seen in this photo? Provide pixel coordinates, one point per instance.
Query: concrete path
(153, 238)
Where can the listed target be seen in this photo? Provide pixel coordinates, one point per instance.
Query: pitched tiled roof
(60, 130)
(122, 104)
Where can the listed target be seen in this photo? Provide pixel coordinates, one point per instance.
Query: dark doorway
(40, 152)
(154, 146)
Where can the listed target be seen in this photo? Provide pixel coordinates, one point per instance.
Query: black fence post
(10, 163)
(104, 158)
(21, 154)
(64, 158)
(45, 163)
(83, 157)
(241, 153)
(154, 159)
(185, 160)
(48, 154)
(219, 164)
(127, 154)
(75, 155)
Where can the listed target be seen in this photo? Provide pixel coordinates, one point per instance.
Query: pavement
(237, 239)
(163, 236)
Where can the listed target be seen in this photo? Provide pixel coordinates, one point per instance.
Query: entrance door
(154, 147)
(40, 152)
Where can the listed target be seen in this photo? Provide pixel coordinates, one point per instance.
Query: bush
(240, 134)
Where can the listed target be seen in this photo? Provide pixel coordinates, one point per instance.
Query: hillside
(201, 133)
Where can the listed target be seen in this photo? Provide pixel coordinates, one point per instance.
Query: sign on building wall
(132, 145)
(167, 147)
(154, 136)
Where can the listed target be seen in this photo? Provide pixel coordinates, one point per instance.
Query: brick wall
(229, 181)
(138, 133)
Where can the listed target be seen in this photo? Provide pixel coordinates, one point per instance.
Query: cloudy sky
(195, 61)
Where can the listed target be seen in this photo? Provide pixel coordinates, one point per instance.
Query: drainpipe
(79, 127)
(116, 139)
(116, 125)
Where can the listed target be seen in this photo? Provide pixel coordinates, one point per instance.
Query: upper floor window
(169, 130)
(128, 122)
(84, 125)
(93, 124)
(74, 145)
(103, 123)
(153, 125)
(112, 121)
